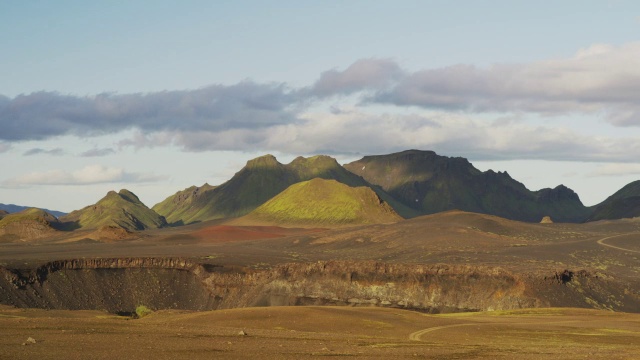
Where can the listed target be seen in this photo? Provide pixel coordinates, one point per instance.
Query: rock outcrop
(119, 285)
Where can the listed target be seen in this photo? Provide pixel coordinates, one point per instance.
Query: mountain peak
(316, 162)
(122, 209)
(265, 161)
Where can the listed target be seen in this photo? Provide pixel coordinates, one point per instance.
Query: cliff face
(119, 285)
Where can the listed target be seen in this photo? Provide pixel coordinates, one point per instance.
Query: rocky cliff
(119, 285)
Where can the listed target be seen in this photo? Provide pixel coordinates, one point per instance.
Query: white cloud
(617, 169)
(356, 132)
(88, 175)
(4, 147)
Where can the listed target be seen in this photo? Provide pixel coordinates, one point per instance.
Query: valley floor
(310, 332)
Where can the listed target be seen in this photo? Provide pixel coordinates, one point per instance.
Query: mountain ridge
(258, 181)
(431, 183)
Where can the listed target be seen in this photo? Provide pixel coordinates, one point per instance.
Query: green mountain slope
(323, 203)
(625, 203)
(430, 183)
(177, 206)
(122, 209)
(260, 180)
(27, 224)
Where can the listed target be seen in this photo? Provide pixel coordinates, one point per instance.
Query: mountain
(430, 183)
(122, 209)
(11, 208)
(27, 224)
(178, 205)
(625, 203)
(260, 180)
(322, 203)
(3, 213)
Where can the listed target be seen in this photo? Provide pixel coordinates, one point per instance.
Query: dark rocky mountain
(625, 203)
(430, 183)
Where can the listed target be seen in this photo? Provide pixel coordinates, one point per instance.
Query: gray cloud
(98, 152)
(361, 75)
(44, 115)
(89, 175)
(597, 80)
(354, 132)
(39, 151)
(601, 79)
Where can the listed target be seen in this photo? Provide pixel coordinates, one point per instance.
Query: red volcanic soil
(227, 233)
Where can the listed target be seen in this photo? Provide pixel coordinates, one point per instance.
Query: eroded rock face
(119, 285)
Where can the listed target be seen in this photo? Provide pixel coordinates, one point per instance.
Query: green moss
(142, 311)
(325, 202)
(31, 214)
(122, 209)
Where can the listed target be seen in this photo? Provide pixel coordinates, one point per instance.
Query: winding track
(417, 336)
(601, 242)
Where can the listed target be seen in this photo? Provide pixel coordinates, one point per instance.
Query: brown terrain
(448, 285)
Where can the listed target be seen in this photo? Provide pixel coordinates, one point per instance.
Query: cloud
(98, 152)
(355, 132)
(89, 175)
(44, 115)
(361, 75)
(39, 151)
(4, 147)
(601, 79)
(619, 169)
(450, 106)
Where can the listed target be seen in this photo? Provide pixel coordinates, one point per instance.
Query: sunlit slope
(260, 180)
(122, 209)
(323, 203)
(27, 224)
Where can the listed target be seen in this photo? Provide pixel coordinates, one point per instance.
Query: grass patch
(142, 311)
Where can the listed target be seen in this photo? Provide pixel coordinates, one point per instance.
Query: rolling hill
(625, 203)
(322, 203)
(27, 224)
(122, 209)
(430, 183)
(260, 180)
(11, 208)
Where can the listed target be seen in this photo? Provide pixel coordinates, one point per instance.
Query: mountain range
(318, 192)
(11, 208)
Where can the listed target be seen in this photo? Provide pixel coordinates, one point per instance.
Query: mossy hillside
(320, 202)
(260, 180)
(122, 209)
(430, 183)
(3, 213)
(176, 206)
(29, 215)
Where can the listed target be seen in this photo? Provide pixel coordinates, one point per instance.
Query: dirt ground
(608, 249)
(311, 332)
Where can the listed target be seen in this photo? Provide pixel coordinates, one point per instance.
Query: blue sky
(155, 96)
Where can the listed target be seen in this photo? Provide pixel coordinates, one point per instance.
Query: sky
(156, 96)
